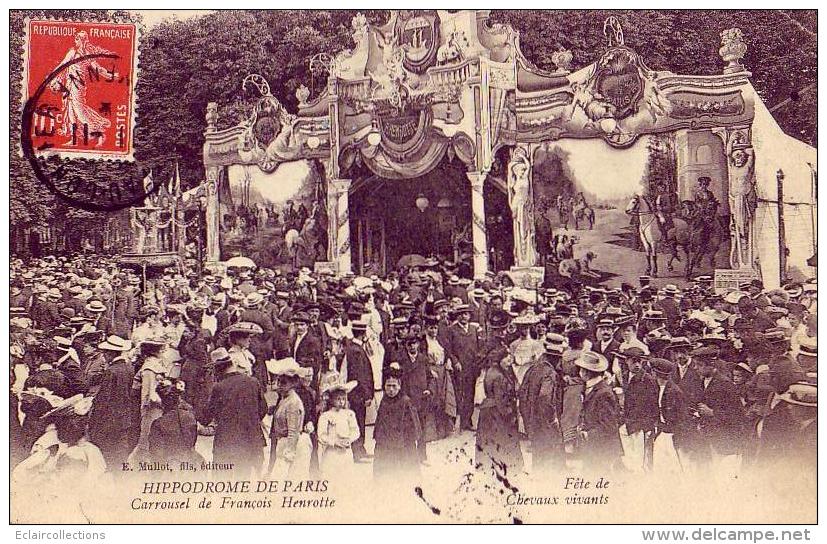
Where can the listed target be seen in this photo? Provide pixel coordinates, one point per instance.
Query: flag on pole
(149, 187)
(175, 182)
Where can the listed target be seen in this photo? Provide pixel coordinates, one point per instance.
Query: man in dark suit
(261, 345)
(672, 418)
(305, 347)
(600, 416)
(237, 406)
(689, 443)
(357, 366)
(640, 410)
(415, 375)
(670, 308)
(719, 411)
(464, 344)
(685, 376)
(605, 342)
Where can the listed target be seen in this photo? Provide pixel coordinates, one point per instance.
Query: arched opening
(429, 215)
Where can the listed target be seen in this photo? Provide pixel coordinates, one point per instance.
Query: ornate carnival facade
(442, 110)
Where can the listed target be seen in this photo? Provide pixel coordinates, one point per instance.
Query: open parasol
(240, 262)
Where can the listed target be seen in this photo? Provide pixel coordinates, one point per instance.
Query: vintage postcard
(413, 266)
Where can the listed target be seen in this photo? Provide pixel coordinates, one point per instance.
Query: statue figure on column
(145, 223)
(743, 201)
(521, 202)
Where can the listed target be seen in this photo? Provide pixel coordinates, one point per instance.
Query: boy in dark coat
(396, 433)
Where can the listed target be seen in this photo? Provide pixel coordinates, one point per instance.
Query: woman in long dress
(441, 407)
(152, 370)
(72, 82)
(290, 446)
(498, 439)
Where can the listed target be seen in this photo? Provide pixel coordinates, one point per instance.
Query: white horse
(648, 230)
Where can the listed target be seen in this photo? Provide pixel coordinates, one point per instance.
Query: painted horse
(649, 230)
(582, 212)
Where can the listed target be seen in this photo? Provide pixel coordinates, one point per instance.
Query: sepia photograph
(413, 266)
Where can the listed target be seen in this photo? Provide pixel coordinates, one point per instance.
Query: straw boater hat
(115, 343)
(96, 306)
(283, 367)
(220, 355)
(555, 343)
(671, 289)
(808, 348)
(253, 299)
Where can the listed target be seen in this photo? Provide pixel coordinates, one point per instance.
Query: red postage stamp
(79, 87)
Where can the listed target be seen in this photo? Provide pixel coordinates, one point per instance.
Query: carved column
(742, 195)
(521, 201)
(479, 236)
(213, 214)
(339, 222)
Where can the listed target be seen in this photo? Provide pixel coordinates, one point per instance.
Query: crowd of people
(300, 374)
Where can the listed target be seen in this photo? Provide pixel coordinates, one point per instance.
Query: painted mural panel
(276, 219)
(598, 206)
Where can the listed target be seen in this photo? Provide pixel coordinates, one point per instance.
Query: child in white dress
(337, 430)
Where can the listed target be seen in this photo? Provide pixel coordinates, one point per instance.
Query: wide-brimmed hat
(116, 343)
(283, 367)
(245, 327)
(592, 361)
(359, 325)
(397, 322)
(733, 297)
(706, 353)
(654, 315)
(526, 320)
(338, 385)
(679, 342)
(605, 321)
(808, 349)
(479, 292)
(793, 290)
(800, 394)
